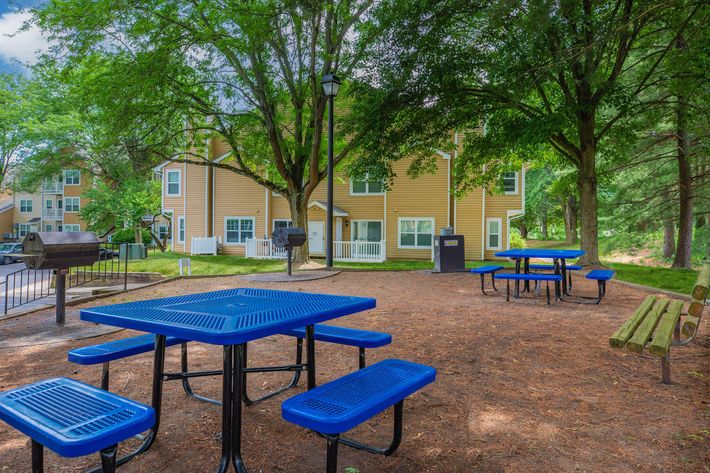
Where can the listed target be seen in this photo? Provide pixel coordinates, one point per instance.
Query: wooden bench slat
(664, 333)
(622, 335)
(644, 331)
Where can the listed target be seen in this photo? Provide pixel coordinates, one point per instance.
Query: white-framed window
(415, 232)
(48, 227)
(366, 230)
(494, 232)
(71, 227)
(48, 204)
(282, 223)
(162, 231)
(366, 186)
(181, 229)
(238, 229)
(72, 204)
(26, 206)
(72, 177)
(510, 182)
(173, 182)
(23, 229)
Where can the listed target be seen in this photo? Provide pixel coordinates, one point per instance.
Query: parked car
(9, 253)
(107, 254)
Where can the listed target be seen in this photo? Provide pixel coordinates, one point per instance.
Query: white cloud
(22, 46)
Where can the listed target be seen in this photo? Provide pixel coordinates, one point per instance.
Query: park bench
(73, 419)
(659, 323)
(551, 267)
(483, 270)
(340, 405)
(601, 276)
(537, 277)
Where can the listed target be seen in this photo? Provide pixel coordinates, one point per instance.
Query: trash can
(449, 254)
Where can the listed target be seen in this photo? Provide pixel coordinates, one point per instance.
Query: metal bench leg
(332, 456)
(105, 376)
(547, 292)
(108, 459)
(361, 357)
(507, 290)
(569, 284)
(37, 457)
(493, 281)
(483, 289)
(296, 368)
(601, 291)
(184, 368)
(396, 437)
(666, 368)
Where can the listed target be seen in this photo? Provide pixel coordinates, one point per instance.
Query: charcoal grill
(60, 251)
(288, 238)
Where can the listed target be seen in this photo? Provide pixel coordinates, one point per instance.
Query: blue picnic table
(523, 255)
(230, 318)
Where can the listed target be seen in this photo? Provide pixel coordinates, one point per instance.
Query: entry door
(315, 236)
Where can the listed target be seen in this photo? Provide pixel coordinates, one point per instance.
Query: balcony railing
(346, 251)
(53, 187)
(52, 214)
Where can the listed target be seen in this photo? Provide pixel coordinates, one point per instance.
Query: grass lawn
(167, 264)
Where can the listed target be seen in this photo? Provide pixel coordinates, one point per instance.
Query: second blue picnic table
(230, 318)
(524, 254)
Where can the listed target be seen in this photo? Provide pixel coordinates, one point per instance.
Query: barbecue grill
(60, 251)
(288, 238)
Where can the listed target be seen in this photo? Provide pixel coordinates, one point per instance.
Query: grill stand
(61, 291)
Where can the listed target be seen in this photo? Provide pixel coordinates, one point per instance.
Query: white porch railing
(52, 214)
(263, 249)
(359, 251)
(203, 246)
(346, 251)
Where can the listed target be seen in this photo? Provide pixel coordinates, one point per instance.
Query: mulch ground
(521, 386)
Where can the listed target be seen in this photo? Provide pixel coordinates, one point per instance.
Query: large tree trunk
(668, 238)
(298, 203)
(587, 184)
(570, 213)
(523, 230)
(685, 177)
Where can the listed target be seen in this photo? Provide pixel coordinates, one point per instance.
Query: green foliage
(128, 235)
(516, 240)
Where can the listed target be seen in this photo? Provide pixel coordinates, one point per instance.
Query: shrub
(128, 235)
(516, 239)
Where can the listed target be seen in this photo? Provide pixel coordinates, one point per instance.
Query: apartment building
(54, 207)
(370, 223)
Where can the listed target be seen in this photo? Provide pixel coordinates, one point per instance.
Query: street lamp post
(331, 84)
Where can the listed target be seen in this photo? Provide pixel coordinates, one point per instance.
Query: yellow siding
(196, 210)
(469, 217)
(426, 196)
(176, 204)
(6, 221)
(498, 206)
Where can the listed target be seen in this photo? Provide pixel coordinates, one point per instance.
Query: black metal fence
(28, 285)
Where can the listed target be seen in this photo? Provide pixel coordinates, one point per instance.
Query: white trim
(315, 203)
(64, 176)
(179, 219)
(159, 167)
(238, 217)
(353, 222)
(266, 213)
(367, 185)
(214, 193)
(207, 185)
(416, 220)
(483, 224)
(456, 157)
(448, 192)
(273, 222)
(167, 182)
(500, 233)
(172, 224)
(517, 187)
(223, 157)
(443, 154)
(65, 207)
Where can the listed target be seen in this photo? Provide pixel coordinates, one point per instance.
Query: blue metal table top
(540, 253)
(228, 317)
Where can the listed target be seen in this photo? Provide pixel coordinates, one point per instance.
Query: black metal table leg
(526, 270)
(565, 290)
(237, 380)
(311, 353)
(227, 395)
(517, 271)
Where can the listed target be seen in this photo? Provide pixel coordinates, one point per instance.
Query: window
(162, 232)
(23, 229)
(416, 232)
(59, 228)
(48, 204)
(26, 205)
(282, 223)
(181, 229)
(59, 203)
(493, 233)
(172, 185)
(510, 182)
(72, 177)
(366, 230)
(238, 229)
(48, 228)
(365, 186)
(72, 204)
(71, 227)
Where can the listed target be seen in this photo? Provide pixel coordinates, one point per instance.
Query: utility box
(135, 251)
(449, 254)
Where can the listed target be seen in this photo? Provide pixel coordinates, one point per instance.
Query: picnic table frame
(558, 257)
(230, 318)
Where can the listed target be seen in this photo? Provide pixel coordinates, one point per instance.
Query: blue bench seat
(73, 419)
(342, 404)
(551, 267)
(482, 271)
(556, 278)
(600, 274)
(344, 336)
(117, 349)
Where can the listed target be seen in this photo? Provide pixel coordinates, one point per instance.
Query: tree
(562, 73)
(174, 74)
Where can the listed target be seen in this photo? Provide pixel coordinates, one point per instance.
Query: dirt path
(521, 387)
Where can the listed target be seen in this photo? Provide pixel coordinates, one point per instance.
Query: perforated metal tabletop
(228, 317)
(540, 253)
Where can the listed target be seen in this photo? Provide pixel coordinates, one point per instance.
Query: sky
(18, 49)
